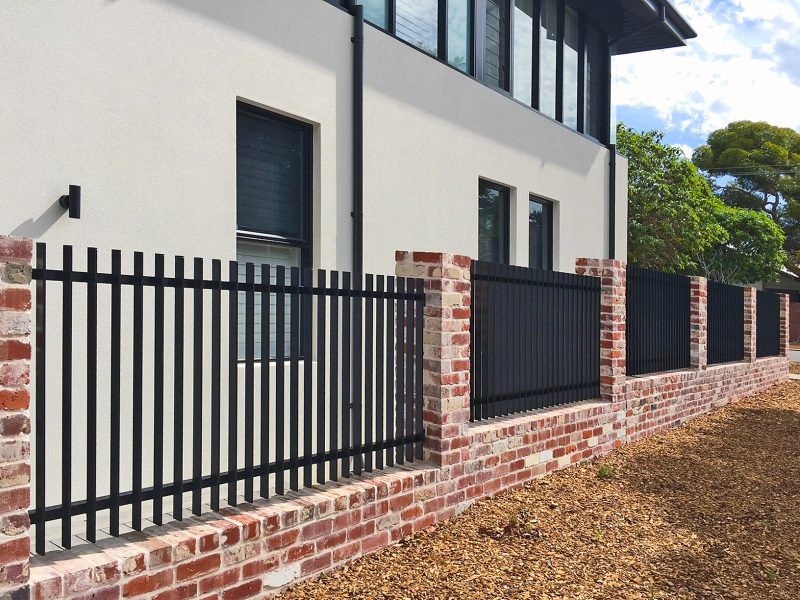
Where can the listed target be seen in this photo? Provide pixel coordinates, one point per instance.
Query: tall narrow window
(376, 12)
(548, 50)
(597, 113)
(416, 21)
(459, 34)
(493, 226)
(273, 197)
(571, 46)
(495, 59)
(523, 50)
(540, 234)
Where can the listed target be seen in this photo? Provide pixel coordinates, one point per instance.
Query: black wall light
(72, 201)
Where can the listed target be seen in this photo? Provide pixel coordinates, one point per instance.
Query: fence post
(15, 361)
(750, 297)
(613, 283)
(784, 324)
(699, 323)
(445, 352)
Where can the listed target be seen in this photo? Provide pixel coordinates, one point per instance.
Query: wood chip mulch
(794, 368)
(707, 510)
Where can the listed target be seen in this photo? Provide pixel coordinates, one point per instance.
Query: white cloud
(743, 65)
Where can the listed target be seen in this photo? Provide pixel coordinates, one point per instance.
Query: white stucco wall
(135, 102)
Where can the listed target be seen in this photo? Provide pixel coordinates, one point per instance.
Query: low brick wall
(258, 549)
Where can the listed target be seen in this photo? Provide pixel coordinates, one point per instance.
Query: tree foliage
(756, 165)
(677, 224)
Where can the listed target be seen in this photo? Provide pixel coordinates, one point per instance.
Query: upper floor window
(547, 53)
(493, 222)
(416, 22)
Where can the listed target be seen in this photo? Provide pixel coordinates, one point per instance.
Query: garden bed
(707, 510)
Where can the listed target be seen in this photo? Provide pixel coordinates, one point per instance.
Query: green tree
(671, 207)
(756, 165)
(752, 251)
(676, 223)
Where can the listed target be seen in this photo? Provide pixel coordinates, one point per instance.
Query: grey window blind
(270, 175)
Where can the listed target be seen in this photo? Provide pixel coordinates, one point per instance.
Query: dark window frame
(305, 242)
(476, 70)
(550, 227)
(505, 241)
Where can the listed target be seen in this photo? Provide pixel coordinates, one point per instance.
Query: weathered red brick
(14, 499)
(220, 580)
(245, 590)
(187, 590)
(14, 350)
(148, 582)
(17, 399)
(199, 566)
(16, 249)
(317, 563)
(18, 299)
(259, 566)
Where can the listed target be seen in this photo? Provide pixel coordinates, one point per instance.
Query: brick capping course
(258, 549)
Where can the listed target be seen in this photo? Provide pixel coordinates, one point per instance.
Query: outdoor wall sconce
(72, 201)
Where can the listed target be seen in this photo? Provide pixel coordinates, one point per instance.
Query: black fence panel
(535, 339)
(725, 323)
(768, 324)
(658, 321)
(202, 382)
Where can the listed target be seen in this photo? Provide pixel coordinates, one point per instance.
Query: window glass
(595, 103)
(540, 234)
(271, 174)
(523, 50)
(376, 12)
(571, 45)
(495, 66)
(259, 253)
(416, 22)
(548, 44)
(459, 34)
(493, 223)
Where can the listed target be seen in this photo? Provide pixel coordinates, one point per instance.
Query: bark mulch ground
(794, 367)
(707, 510)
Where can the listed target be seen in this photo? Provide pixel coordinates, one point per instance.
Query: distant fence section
(152, 389)
(725, 323)
(768, 324)
(535, 339)
(658, 321)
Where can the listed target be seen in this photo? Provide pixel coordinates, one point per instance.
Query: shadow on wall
(36, 228)
(406, 83)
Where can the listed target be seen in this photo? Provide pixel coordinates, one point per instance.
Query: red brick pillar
(446, 386)
(784, 324)
(750, 297)
(15, 468)
(699, 323)
(613, 275)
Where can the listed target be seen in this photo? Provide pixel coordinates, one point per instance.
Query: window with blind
(495, 60)
(273, 201)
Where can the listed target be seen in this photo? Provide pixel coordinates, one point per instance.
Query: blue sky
(744, 64)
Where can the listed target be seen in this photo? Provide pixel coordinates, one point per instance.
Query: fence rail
(768, 324)
(320, 382)
(535, 339)
(725, 323)
(658, 321)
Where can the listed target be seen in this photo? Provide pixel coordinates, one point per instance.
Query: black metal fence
(658, 321)
(535, 339)
(142, 393)
(768, 324)
(725, 323)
